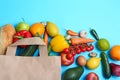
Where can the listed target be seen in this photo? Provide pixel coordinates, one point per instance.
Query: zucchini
(29, 50)
(105, 65)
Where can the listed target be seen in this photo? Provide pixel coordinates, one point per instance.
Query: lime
(103, 44)
(93, 63)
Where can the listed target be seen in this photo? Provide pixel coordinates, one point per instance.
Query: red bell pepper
(20, 35)
(66, 59)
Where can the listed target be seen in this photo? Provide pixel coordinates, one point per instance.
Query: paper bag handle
(11, 50)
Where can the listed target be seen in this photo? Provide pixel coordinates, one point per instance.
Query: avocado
(73, 73)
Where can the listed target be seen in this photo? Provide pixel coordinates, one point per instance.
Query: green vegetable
(73, 73)
(94, 33)
(105, 65)
(49, 49)
(29, 50)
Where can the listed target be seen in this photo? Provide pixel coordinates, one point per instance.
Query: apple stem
(23, 19)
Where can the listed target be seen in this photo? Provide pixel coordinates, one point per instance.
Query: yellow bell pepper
(58, 43)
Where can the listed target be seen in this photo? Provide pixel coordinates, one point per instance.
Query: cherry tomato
(78, 51)
(83, 49)
(66, 50)
(73, 53)
(88, 49)
(69, 56)
(91, 47)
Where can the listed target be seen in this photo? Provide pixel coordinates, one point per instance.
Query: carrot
(75, 41)
(46, 37)
(70, 32)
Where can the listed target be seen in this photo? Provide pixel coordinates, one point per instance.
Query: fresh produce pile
(67, 46)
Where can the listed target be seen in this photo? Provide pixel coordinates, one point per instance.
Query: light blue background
(102, 15)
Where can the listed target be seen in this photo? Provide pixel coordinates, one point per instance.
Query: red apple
(66, 61)
(92, 76)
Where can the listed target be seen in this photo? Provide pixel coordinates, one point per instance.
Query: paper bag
(43, 67)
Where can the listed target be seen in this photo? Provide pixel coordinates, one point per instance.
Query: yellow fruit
(52, 29)
(93, 63)
(58, 43)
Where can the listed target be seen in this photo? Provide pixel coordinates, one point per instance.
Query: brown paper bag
(43, 67)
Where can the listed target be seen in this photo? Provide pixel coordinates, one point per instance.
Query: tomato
(91, 47)
(66, 50)
(73, 53)
(69, 56)
(78, 51)
(83, 49)
(88, 49)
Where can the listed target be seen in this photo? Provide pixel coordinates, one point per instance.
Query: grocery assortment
(67, 47)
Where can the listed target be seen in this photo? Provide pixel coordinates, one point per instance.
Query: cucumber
(105, 65)
(29, 50)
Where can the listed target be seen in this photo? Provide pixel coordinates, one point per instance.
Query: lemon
(93, 63)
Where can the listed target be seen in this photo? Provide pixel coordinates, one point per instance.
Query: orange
(115, 52)
(37, 28)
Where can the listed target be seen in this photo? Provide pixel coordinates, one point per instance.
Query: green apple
(22, 26)
(103, 44)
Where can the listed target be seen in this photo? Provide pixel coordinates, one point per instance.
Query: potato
(81, 60)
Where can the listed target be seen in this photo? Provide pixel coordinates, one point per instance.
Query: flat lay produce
(71, 47)
(115, 69)
(92, 76)
(115, 52)
(105, 65)
(73, 73)
(6, 37)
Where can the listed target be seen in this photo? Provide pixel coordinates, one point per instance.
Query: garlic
(83, 34)
(68, 37)
(44, 23)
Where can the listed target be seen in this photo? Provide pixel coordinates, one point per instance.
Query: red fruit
(92, 76)
(69, 56)
(66, 50)
(73, 53)
(88, 49)
(65, 61)
(78, 51)
(91, 47)
(83, 49)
